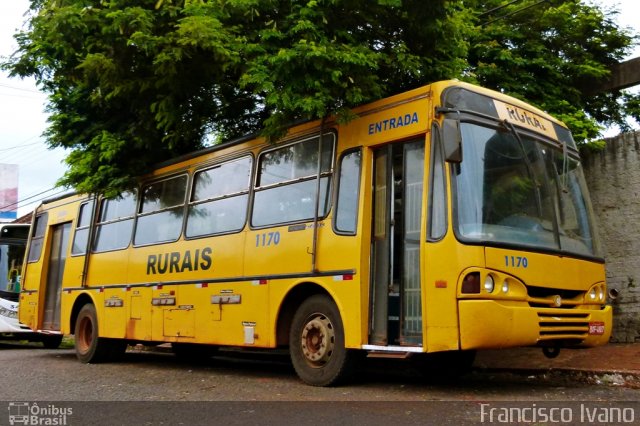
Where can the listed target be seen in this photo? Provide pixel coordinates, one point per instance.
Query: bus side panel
(207, 305)
(28, 312)
(166, 324)
(137, 311)
(342, 253)
(114, 322)
(278, 250)
(238, 314)
(444, 260)
(108, 268)
(72, 279)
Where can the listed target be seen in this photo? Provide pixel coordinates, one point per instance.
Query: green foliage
(548, 55)
(135, 82)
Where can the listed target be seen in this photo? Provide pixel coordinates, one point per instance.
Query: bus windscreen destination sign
(524, 118)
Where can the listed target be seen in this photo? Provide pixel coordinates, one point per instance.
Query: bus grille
(558, 324)
(540, 297)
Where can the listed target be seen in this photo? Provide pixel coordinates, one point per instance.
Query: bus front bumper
(491, 324)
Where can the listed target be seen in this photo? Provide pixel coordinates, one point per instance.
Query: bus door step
(385, 354)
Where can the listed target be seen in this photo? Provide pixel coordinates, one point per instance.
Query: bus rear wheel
(89, 347)
(316, 343)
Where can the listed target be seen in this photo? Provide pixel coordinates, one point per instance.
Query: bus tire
(316, 343)
(51, 341)
(89, 347)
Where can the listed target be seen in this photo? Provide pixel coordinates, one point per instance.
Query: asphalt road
(249, 388)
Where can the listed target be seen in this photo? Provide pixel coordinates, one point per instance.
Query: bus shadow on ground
(368, 372)
(275, 364)
(19, 344)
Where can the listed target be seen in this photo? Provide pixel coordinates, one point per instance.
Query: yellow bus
(446, 219)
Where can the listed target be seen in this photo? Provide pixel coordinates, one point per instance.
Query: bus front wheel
(89, 346)
(316, 343)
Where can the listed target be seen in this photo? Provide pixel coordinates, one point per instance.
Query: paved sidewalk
(613, 364)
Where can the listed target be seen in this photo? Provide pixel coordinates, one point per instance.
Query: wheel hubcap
(86, 334)
(318, 340)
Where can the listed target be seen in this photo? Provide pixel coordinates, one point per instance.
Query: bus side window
(161, 211)
(346, 217)
(81, 236)
(39, 228)
(437, 221)
(286, 183)
(113, 230)
(219, 199)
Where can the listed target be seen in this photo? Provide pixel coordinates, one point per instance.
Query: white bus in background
(13, 241)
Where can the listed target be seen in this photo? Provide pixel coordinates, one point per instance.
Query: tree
(135, 82)
(547, 53)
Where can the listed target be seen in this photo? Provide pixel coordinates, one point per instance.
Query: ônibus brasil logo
(31, 413)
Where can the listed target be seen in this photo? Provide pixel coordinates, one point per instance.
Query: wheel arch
(80, 301)
(290, 304)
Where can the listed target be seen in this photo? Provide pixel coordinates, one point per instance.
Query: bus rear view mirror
(452, 140)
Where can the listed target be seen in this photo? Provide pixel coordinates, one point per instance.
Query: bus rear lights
(489, 284)
(471, 283)
(163, 301)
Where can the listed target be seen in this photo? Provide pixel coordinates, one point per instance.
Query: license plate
(596, 328)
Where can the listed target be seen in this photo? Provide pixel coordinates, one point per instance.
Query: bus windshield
(512, 189)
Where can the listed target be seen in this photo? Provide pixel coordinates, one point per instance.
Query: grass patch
(68, 342)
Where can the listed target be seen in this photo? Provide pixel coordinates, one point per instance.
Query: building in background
(8, 192)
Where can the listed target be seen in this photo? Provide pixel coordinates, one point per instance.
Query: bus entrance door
(395, 305)
(57, 260)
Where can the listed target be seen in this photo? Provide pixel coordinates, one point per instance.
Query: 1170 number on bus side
(516, 261)
(267, 239)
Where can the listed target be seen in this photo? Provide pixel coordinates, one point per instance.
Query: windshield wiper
(556, 225)
(527, 163)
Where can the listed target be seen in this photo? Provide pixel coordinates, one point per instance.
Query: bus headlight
(597, 293)
(601, 293)
(489, 284)
(505, 286)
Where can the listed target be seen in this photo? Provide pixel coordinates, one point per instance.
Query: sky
(23, 118)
